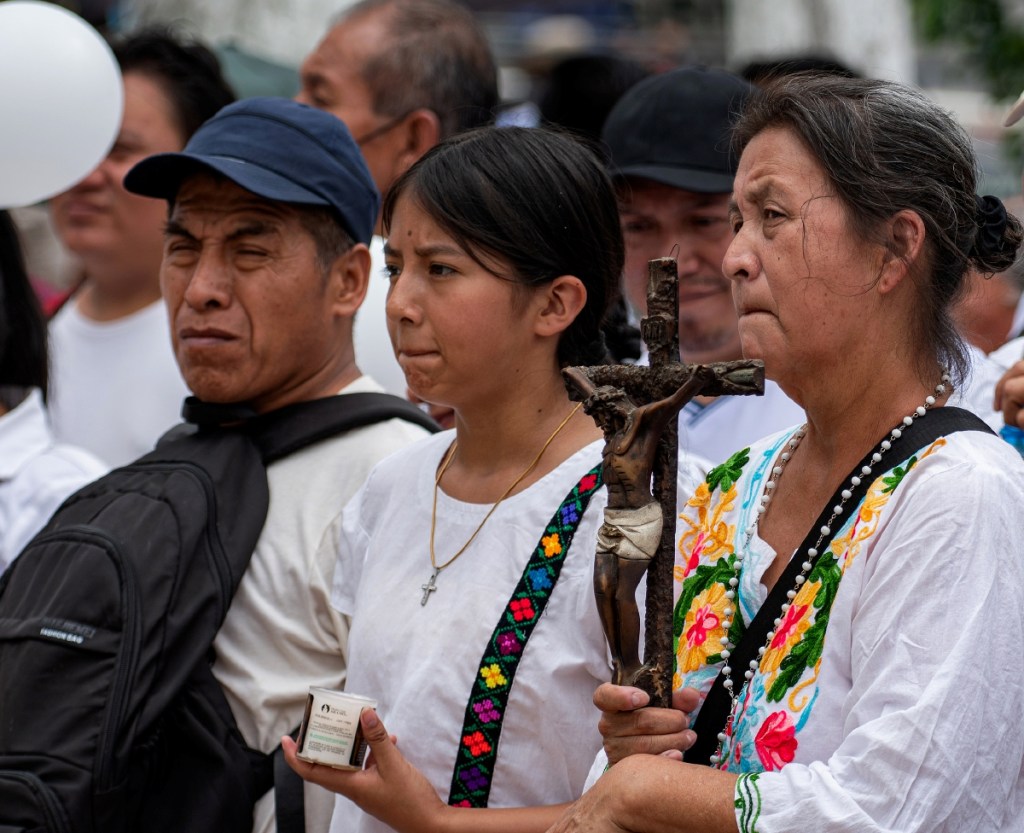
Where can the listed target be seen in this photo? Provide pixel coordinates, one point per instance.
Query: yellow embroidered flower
(791, 629)
(710, 538)
(702, 629)
(552, 546)
(492, 676)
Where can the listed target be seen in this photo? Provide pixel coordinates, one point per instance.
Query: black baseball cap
(277, 149)
(674, 128)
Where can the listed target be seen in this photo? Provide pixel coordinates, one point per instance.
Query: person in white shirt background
(36, 473)
(403, 75)
(116, 387)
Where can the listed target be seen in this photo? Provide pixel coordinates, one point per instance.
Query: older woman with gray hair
(844, 663)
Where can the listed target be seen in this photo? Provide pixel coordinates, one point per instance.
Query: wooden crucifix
(635, 407)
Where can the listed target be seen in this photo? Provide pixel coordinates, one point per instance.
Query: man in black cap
(668, 138)
(265, 264)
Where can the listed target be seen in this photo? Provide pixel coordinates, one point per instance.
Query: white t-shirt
(281, 634)
(420, 661)
(36, 474)
(729, 423)
(374, 353)
(116, 387)
(1009, 354)
(978, 392)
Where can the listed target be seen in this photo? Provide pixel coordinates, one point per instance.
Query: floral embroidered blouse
(891, 695)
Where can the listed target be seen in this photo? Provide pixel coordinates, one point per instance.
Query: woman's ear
(348, 279)
(905, 236)
(560, 302)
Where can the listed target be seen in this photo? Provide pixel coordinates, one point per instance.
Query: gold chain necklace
(431, 584)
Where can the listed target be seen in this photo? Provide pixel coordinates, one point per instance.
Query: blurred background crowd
(566, 61)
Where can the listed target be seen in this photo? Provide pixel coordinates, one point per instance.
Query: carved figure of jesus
(631, 533)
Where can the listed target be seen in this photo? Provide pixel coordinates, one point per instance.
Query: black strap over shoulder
(289, 803)
(714, 713)
(293, 427)
(289, 429)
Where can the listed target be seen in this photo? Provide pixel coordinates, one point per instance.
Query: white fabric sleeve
(931, 726)
(351, 543)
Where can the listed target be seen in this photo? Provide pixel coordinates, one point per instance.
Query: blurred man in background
(403, 75)
(116, 387)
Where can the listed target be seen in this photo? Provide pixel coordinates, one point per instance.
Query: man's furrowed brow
(172, 228)
(253, 228)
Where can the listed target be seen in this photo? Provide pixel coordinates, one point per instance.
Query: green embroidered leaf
(747, 802)
(893, 480)
(729, 472)
(703, 577)
(828, 572)
(803, 656)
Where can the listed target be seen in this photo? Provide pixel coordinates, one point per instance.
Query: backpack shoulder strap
(291, 428)
(287, 430)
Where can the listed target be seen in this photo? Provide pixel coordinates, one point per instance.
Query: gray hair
(886, 148)
(434, 56)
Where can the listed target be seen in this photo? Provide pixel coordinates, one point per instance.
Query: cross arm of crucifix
(642, 384)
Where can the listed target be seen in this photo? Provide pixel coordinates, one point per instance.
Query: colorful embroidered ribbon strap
(481, 729)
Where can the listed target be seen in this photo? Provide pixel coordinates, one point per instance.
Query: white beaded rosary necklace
(809, 556)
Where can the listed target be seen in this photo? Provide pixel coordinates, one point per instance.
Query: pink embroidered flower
(522, 609)
(789, 626)
(486, 711)
(693, 556)
(587, 483)
(702, 630)
(492, 676)
(508, 644)
(791, 630)
(463, 803)
(552, 544)
(776, 741)
(704, 621)
(476, 743)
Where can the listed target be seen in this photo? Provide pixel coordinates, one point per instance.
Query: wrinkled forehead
(208, 194)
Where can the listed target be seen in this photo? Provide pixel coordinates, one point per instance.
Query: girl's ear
(559, 304)
(905, 247)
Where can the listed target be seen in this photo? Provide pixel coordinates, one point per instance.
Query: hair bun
(990, 215)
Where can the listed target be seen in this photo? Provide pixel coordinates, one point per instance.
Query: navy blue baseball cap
(279, 150)
(674, 128)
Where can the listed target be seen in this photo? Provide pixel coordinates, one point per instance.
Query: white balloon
(61, 100)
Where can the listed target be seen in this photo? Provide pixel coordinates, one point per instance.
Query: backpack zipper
(127, 658)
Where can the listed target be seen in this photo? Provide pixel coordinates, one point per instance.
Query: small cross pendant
(429, 587)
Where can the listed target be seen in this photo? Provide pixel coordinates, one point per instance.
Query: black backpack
(110, 717)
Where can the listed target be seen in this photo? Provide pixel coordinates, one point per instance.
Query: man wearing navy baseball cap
(669, 142)
(270, 207)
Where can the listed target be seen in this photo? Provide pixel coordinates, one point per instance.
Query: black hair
(886, 148)
(434, 56)
(186, 70)
(324, 225)
(23, 360)
(535, 199)
(581, 90)
(763, 72)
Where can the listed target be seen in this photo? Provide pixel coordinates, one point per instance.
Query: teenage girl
(466, 561)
